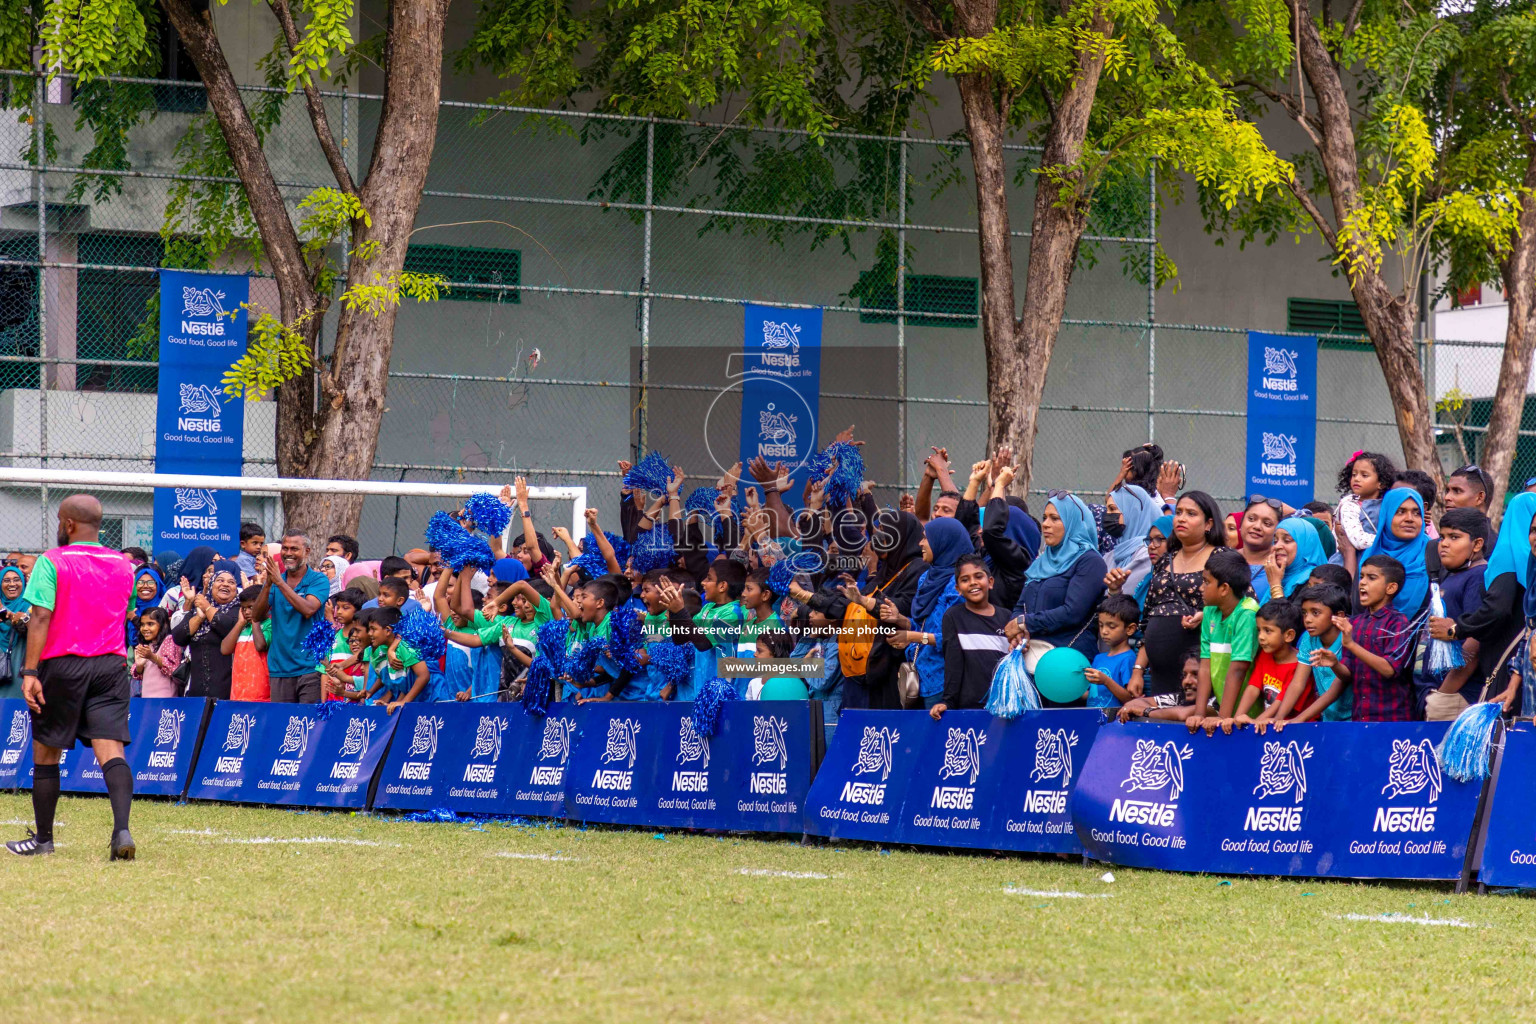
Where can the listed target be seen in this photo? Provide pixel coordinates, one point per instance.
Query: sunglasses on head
(1259, 499)
(1053, 495)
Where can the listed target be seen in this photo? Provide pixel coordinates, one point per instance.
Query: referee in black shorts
(76, 676)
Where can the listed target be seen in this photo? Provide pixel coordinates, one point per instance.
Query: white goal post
(86, 480)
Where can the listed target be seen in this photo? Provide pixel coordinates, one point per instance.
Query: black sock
(119, 779)
(45, 799)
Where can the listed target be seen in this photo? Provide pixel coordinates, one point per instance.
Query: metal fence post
(40, 161)
(1152, 301)
(645, 286)
(901, 315)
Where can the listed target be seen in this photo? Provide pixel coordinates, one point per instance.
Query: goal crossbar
(119, 481)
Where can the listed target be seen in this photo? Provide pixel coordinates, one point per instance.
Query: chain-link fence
(597, 266)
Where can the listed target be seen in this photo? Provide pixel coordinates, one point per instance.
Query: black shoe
(30, 846)
(122, 846)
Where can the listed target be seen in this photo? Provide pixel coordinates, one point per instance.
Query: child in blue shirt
(1109, 675)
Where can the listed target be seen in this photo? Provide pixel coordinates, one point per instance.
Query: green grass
(430, 924)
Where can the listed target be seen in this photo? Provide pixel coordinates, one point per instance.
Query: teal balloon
(1059, 675)
(784, 688)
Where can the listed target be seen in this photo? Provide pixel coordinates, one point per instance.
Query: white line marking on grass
(29, 822)
(1450, 922)
(766, 873)
(531, 856)
(265, 840)
(191, 832)
(1057, 894)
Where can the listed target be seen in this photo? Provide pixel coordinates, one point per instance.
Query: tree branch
(333, 154)
(927, 17)
(1309, 122)
(1310, 207)
(268, 209)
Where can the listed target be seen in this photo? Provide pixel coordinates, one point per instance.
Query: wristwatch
(30, 672)
(1452, 630)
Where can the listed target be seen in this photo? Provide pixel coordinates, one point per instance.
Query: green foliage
(275, 352)
(93, 38)
(324, 37)
(665, 58)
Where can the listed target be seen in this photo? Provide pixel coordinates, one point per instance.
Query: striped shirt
(973, 645)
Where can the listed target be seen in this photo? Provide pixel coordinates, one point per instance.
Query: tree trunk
(1019, 350)
(341, 441)
(1519, 272)
(279, 238)
(1388, 316)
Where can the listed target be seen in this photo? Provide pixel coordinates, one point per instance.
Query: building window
(176, 66)
(464, 265)
(111, 305)
(18, 311)
(1472, 295)
(925, 293)
(1327, 316)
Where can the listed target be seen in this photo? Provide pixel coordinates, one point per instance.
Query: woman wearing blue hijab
(1500, 617)
(945, 540)
(1298, 541)
(148, 589)
(1157, 536)
(1128, 517)
(1402, 537)
(13, 631)
(1063, 586)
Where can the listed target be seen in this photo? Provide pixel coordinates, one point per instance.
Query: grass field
(236, 914)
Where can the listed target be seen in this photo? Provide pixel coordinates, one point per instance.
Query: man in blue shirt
(301, 594)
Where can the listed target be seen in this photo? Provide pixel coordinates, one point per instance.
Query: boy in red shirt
(1276, 668)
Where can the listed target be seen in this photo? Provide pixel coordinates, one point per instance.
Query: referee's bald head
(82, 509)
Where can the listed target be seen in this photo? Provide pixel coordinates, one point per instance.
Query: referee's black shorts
(83, 699)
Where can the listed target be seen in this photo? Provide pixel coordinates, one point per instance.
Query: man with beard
(75, 678)
(301, 593)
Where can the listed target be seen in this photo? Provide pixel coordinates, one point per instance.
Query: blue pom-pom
(709, 705)
(581, 661)
(488, 513)
(549, 641)
(653, 550)
(318, 642)
(326, 709)
(538, 687)
(1442, 656)
(1463, 754)
(421, 630)
(783, 572)
(626, 636)
(1012, 692)
(649, 474)
(673, 661)
(841, 466)
(591, 561)
(468, 551)
(442, 530)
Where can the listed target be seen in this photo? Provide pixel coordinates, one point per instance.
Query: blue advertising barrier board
(1282, 417)
(15, 745)
(1509, 847)
(780, 386)
(643, 764)
(478, 759)
(308, 755)
(164, 735)
(969, 780)
(1347, 800)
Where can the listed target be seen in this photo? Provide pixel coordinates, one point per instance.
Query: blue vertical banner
(1282, 417)
(780, 386)
(198, 428)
